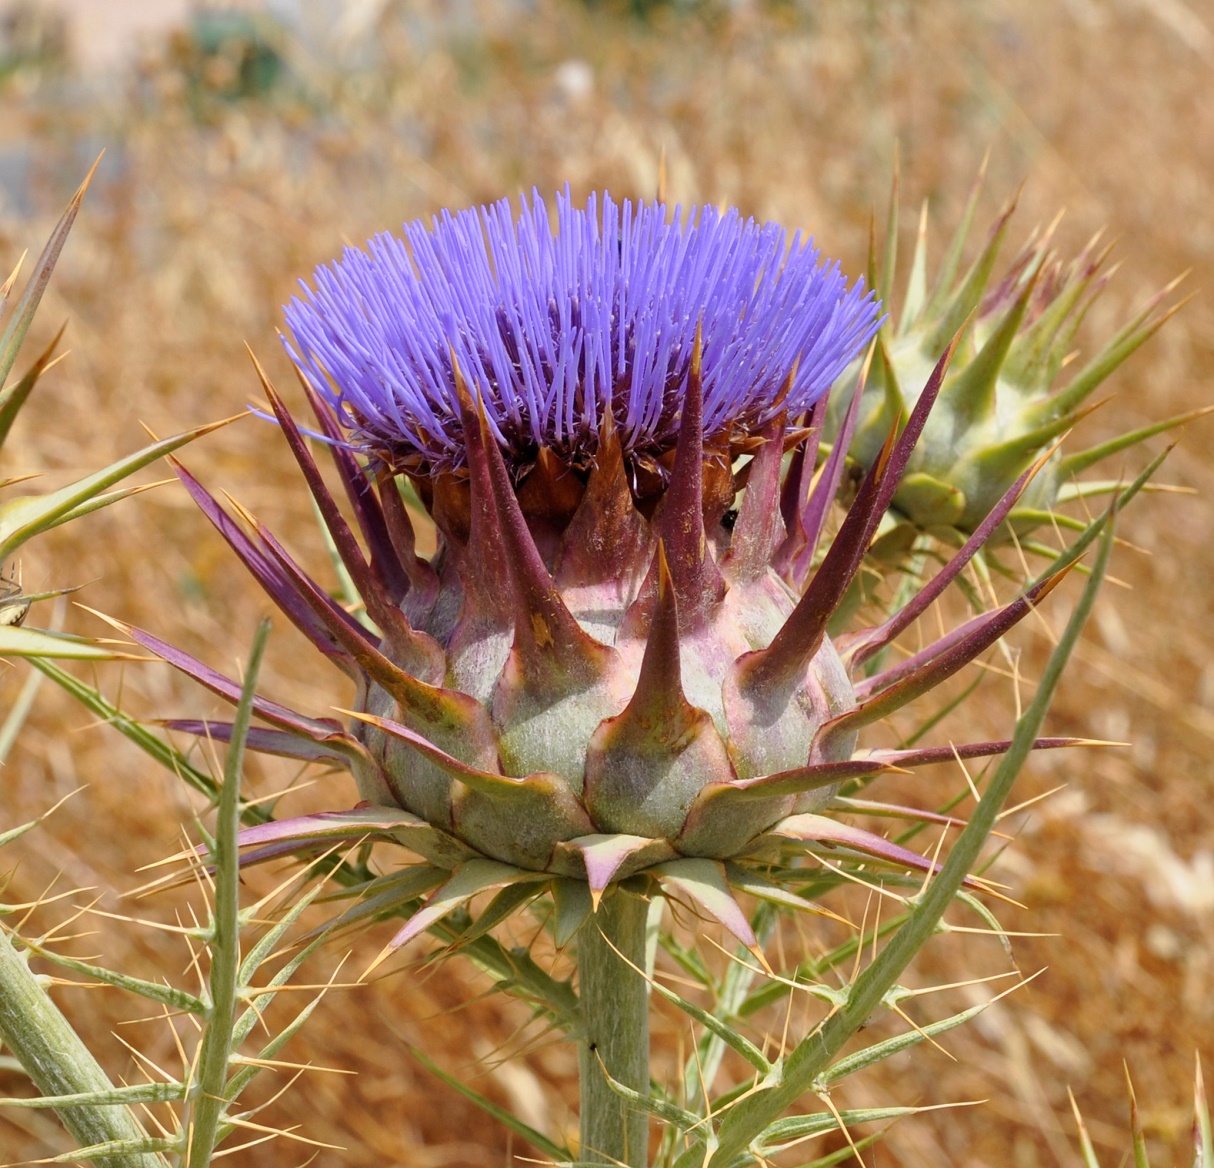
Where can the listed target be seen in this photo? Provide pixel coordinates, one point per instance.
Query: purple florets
(548, 326)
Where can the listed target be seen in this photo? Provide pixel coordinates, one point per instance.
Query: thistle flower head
(617, 663)
(553, 328)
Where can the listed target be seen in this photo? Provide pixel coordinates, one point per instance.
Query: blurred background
(246, 144)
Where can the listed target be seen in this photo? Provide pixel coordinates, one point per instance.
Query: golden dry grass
(194, 237)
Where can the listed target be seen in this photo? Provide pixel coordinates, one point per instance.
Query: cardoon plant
(613, 682)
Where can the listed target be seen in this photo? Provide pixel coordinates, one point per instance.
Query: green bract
(1011, 392)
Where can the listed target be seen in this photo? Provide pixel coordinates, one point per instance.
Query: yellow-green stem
(58, 1063)
(615, 1032)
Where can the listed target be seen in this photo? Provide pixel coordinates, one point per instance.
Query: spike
(467, 881)
(968, 296)
(795, 491)
(327, 827)
(780, 664)
(916, 284)
(423, 579)
(980, 627)
(725, 815)
(971, 395)
(1203, 1140)
(871, 275)
(818, 829)
(276, 583)
(602, 858)
(551, 658)
(14, 396)
(415, 652)
(1127, 340)
(339, 748)
(446, 715)
(697, 583)
(6, 289)
(801, 635)
(951, 264)
(884, 286)
(644, 766)
(931, 666)
(926, 756)
(1027, 364)
(999, 460)
(477, 535)
(319, 729)
(572, 904)
(895, 400)
(1074, 464)
(869, 643)
(324, 831)
(607, 537)
(23, 314)
(363, 502)
(818, 502)
(759, 528)
(550, 647)
(704, 881)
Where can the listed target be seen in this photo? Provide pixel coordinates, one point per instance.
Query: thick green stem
(615, 1023)
(58, 1063)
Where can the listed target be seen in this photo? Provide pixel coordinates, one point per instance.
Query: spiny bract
(617, 662)
(1000, 408)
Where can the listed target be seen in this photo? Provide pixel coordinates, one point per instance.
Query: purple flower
(550, 327)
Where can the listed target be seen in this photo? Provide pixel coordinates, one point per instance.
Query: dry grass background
(199, 225)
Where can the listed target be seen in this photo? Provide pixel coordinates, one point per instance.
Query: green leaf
(1086, 1150)
(729, 996)
(210, 1100)
(667, 1112)
(388, 896)
(14, 397)
(504, 905)
(1203, 1139)
(735, 1041)
(466, 881)
(916, 284)
(28, 515)
(1141, 1160)
(118, 1151)
(1076, 463)
(58, 1063)
(153, 991)
(744, 880)
(117, 1096)
(16, 641)
(554, 1151)
(871, 1055)
(799, 1127)
(253, 1017)
(23, 314)
(143, 737)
